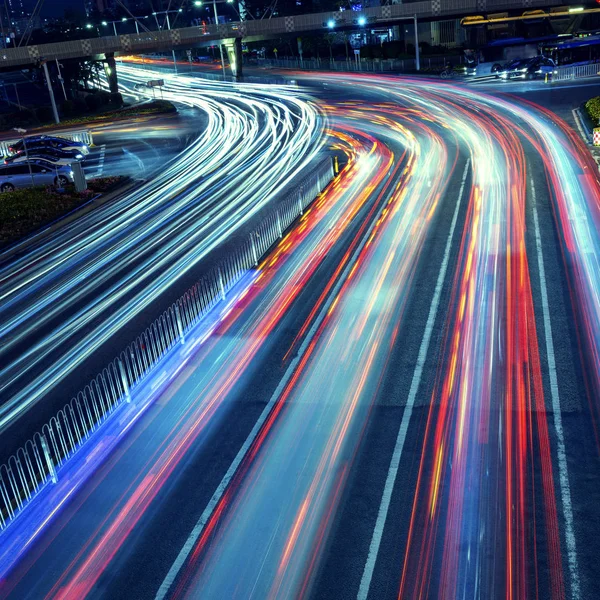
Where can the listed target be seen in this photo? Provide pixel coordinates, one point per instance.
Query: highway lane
(67, 296)
(219, 385)
(485, 517)
(420, 422)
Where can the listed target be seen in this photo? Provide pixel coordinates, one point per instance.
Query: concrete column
(234, 52)
(110, 66)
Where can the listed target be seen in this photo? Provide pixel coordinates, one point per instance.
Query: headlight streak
(487, 434)
(107, 268)
(274, 288)
(486, 457)
(313, 433)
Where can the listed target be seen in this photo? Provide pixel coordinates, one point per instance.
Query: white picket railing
(37, 462)
(575, 72)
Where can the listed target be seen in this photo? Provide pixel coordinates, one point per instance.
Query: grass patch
(155, 107)
(24, 211)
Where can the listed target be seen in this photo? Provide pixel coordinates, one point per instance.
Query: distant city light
(88, 26)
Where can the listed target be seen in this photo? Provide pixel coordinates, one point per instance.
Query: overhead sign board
(155, 83)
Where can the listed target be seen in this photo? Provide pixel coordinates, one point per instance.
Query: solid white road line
(205, 516)
(384, 506)
(563, 473)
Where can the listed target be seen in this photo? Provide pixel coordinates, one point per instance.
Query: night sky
(55, 8)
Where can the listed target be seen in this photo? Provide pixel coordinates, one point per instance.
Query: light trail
(94, 276)
(247, 326)
(279, 508)
(484, 519)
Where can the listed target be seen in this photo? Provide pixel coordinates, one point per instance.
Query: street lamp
(214, 3)
(362, 21)
(24, 131)
(166, 12)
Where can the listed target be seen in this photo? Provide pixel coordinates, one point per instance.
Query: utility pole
(417, 53)
(49, 84)
(220, 45)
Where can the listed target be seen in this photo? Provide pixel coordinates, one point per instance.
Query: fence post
(179, 324)
(48, 459)
(254, 254)
(279, 229)
(124, 380)
(221, 285)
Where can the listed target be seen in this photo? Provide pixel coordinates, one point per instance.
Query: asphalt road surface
(64, 299)
(401, 401)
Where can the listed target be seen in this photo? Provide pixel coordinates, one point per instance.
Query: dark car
(47, 141)
(529, 68)
(50, 155)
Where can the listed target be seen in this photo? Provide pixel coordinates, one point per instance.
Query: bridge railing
(575, 72)
(390, 65)
(38, 461)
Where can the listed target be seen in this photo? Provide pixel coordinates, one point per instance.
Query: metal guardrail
(84, 136)
(36, 463)
(578, 71)
(397, 65)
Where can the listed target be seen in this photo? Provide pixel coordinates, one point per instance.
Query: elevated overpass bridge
(252, 30)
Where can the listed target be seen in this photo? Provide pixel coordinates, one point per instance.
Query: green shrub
(67, 107)
(104, 97)
(22, 117)
(392, 49)
(116, 99)
(592, 107)
(79, 106)
(93, 102)
(44, 114)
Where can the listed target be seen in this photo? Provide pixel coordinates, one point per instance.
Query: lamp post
(214, 3)
(166, 12)
(23, 132)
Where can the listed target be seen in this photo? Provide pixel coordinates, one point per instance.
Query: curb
(586, 135)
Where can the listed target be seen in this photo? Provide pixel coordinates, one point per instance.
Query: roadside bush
(392, 49)
(104, 97)
(67, 107)
(116, 99)
(79, 106)
(44, 114)
(22, 117)
(592, 107)
(93, 102)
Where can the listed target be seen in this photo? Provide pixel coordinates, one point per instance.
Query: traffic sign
(596, 136)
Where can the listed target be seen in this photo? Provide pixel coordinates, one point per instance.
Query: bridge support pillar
(110, 66)
(234, 52)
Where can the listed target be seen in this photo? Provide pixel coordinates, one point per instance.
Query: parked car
(529, 68)
(48, 141)
(19, 175)
(51, 155)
